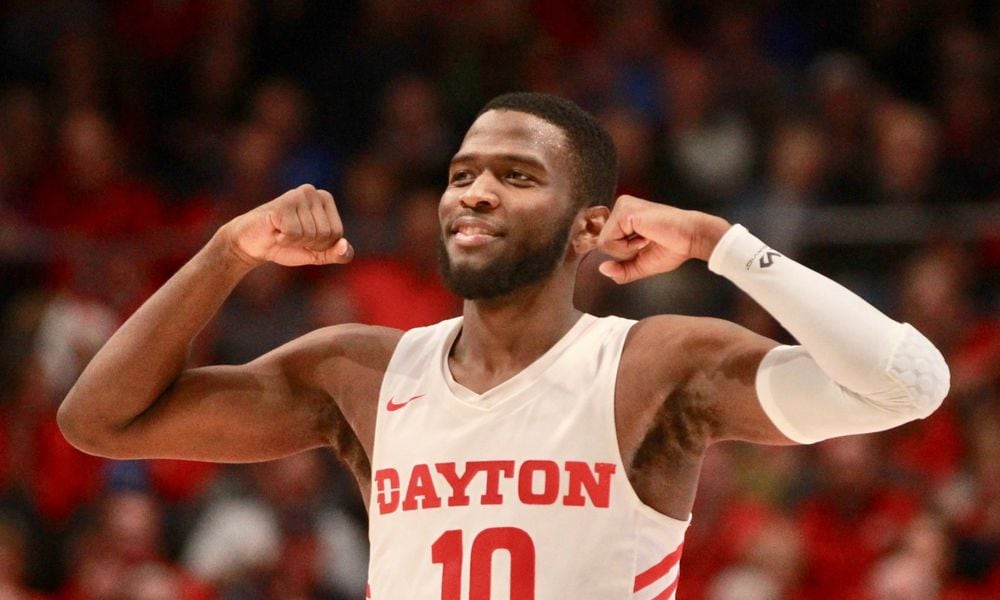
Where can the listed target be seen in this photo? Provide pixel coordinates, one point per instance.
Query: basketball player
(523, 450)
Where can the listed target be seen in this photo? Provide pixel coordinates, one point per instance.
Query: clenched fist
(645, 238)
(299, 227)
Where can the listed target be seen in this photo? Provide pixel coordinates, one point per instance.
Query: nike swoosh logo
(393, 405)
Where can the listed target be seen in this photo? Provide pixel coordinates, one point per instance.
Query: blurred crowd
(862, 138)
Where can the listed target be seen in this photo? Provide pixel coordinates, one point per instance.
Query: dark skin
(683, 382)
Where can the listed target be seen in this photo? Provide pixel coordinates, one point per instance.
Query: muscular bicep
(239, 413)
(722, 361)
(320, 389)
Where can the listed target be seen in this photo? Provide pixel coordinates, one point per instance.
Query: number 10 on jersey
(448, 551)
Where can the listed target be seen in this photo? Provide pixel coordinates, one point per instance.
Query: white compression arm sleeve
(857, 370)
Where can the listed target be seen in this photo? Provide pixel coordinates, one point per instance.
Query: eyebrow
(524, 159)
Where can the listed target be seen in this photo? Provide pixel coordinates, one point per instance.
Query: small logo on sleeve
(768, 259)
(392, 405)
(764, 257)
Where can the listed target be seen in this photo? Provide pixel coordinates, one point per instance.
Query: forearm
(147, 354)
(887, 372)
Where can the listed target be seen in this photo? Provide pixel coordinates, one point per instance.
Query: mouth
(473, 231)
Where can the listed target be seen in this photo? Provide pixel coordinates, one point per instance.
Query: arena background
(859, 137)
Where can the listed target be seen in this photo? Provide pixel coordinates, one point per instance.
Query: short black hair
(595, 161)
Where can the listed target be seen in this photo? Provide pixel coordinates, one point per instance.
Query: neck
(506, 334)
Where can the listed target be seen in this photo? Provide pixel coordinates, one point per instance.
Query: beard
(506, 273)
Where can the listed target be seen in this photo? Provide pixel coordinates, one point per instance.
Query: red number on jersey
(447, 551)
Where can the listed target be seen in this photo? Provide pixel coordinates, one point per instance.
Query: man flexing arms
(523, 449)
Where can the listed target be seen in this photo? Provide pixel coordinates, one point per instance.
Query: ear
(593, 219)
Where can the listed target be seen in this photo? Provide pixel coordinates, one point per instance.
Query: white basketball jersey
(518, 493)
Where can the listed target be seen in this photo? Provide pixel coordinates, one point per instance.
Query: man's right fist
(299, 227)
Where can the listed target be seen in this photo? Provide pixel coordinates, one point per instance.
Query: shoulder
(359, 342)
(657, 356)
(687, 337)
(350, 340)
(662, 352)
(691, 346)
(333, 352)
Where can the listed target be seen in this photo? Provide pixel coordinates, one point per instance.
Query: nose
(480, 195)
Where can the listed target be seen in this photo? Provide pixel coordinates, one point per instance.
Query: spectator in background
(970, 128)
(284, 110)
(41, 476)
(906, 156)
(90, 196)
(917, 568)
(971, 502)
(80, 65)
(543, 67)
(955, 452)
(842, 93)
(250, 543)
(13, 551)
(196, 142)
(371, 188)
(632, 44)
(728, 517)
(267, 310)
(793, 185)
(895, 35)
(751, 80)
(633, 137)
(853, 508)
(71, 330)
(710, 144)
(122, 556)
(411, 135)
(488, 46)
(936, 290)
(934, 293)
(162, 34)
(24, 141)
(768, 568)
(252, 153)
(89, 192)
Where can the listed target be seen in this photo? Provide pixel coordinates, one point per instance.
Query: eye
(519, 176)
(460, 176)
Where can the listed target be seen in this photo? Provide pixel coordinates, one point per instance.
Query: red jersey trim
(657, 571)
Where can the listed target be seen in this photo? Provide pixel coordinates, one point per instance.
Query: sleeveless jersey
(518, 493)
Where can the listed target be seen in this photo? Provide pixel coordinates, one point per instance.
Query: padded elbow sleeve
(808, 406)
(857, 370)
